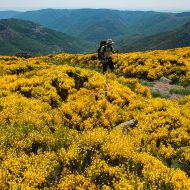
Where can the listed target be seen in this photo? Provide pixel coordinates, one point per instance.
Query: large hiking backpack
(101, 54)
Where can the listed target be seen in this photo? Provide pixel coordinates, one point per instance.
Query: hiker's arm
(115, 51)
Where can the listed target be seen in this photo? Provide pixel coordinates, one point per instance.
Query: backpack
(101, 54)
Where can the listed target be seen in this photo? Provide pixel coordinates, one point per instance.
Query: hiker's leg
(111, 66)
(104, 66)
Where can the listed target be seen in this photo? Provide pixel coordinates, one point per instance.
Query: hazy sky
(165, 5)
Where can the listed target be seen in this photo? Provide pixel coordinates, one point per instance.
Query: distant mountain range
(98, 24)
(81, 30)
(26, 36)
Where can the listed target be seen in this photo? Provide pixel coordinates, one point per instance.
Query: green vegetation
(146, 83)
(160, 95)
(180, 91)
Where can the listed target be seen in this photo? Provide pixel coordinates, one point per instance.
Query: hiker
(106, 51)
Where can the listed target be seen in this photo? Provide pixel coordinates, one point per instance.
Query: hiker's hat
(109, 41)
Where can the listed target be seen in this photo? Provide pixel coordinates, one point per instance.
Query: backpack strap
(104, 49)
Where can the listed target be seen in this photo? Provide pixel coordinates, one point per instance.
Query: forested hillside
(58, 118)
(166, 40)
(25, 36)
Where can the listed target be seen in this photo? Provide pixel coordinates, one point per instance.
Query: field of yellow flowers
(58, 118)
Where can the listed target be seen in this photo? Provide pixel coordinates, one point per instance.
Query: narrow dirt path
(164, 88)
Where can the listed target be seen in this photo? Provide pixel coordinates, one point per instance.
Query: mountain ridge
(8, 14)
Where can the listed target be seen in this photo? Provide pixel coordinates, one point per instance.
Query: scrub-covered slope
(57, 125)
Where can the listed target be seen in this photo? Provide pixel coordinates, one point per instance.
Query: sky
(156, 5)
